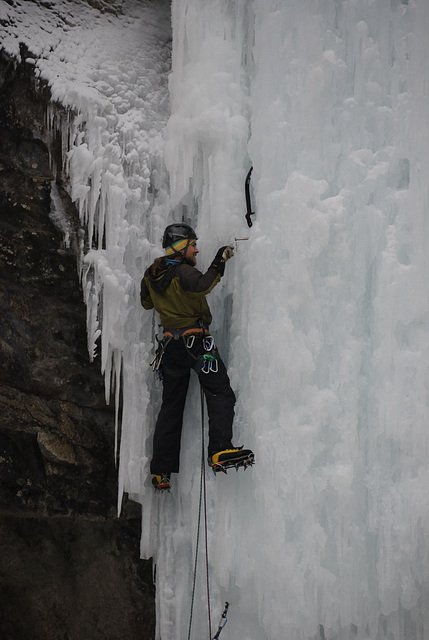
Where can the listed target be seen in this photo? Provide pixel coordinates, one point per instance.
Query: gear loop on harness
(196, 330)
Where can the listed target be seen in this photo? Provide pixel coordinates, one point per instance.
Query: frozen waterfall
(322, 317)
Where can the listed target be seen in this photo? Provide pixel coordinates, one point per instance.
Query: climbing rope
(203, 474)
(201, 508)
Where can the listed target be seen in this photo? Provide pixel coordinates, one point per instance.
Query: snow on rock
(109, 73)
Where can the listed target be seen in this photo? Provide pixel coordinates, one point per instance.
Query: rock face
(70, 568)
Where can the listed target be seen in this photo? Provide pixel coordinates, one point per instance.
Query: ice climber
(177, 290)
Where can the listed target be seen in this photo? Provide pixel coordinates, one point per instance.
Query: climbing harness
(222, 622)
(248, 201)
(183, 333)
(210, 362)
(188, 336)
(202, 508)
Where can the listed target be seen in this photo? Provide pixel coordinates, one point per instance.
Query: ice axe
(248, 201)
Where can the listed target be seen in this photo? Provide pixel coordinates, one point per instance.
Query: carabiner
(210, 364)
(153, 363)
(159, 355)
(190, 341)
(208, 343)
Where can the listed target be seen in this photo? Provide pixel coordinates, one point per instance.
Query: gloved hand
(228, 252)
(224, 254)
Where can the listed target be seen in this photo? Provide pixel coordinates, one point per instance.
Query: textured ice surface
(322, 316)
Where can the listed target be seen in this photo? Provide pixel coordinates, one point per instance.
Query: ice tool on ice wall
(249, 212)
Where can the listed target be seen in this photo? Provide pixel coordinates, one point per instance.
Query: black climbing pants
(176, 369)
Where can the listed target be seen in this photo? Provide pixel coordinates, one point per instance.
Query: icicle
(118, 388)
(107, 371)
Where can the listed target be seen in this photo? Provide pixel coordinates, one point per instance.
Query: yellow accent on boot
(160, 481)
(215, 457)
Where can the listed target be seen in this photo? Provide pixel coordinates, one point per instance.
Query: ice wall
(322, 316)
(328, 344)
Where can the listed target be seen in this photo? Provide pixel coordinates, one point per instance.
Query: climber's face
(191, 253)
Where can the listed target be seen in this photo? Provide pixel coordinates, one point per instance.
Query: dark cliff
(70, 568)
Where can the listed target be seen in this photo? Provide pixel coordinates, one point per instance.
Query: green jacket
(178, 293)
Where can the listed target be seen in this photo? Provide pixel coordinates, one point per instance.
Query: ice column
(326, 536)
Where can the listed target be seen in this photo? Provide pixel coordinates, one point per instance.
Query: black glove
(224, 254)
